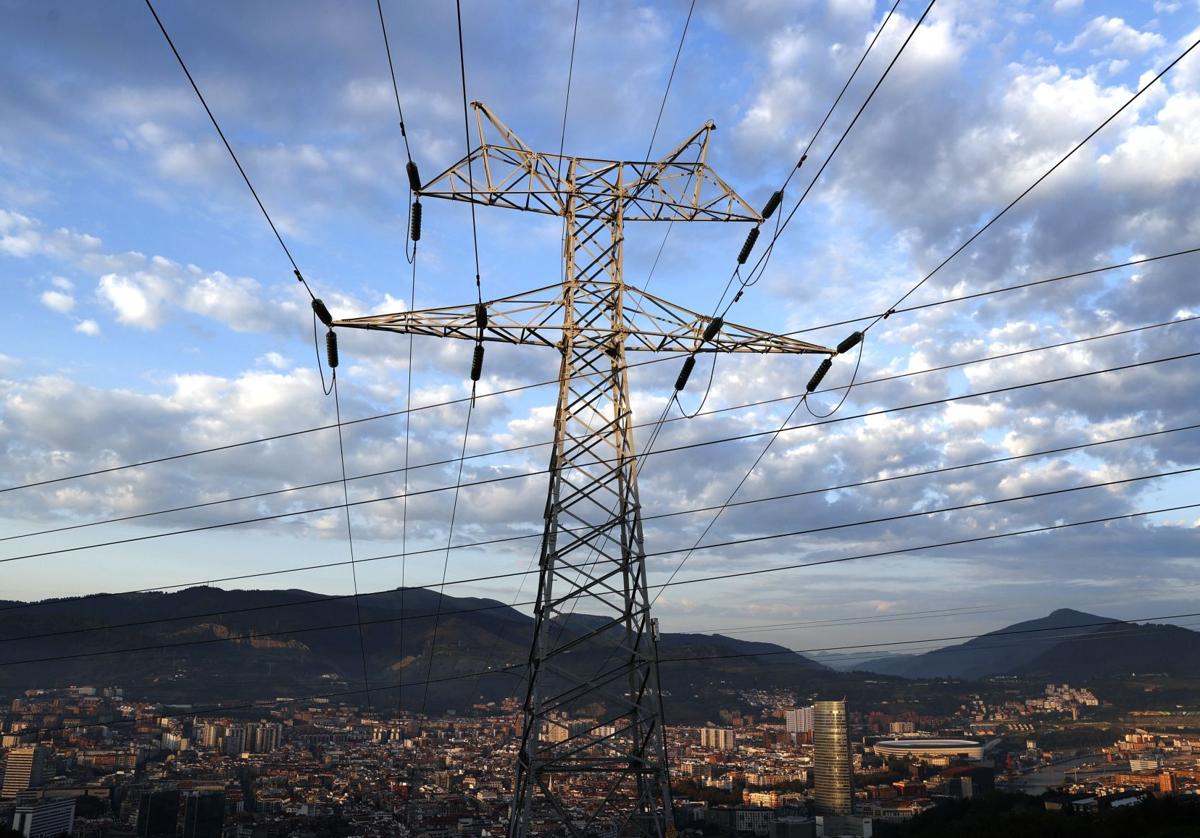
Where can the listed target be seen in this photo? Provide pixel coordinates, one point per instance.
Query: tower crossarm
(650, 324)
(503, 171)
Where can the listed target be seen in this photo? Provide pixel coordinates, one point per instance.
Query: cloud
(1067, 5)
(88, 327)
(139, 300)
(1106, 35)
(57, 301)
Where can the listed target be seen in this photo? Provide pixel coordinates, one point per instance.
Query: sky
(152, 312)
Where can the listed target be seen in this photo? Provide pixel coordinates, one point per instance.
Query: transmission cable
(1034, 185)
(976, 295)
(683, 447)
(529, 446)
(555, 381)
(229, 148)
(362, 643)
(789, 495)
(749, 244)
(359, 622)
(287, 434)
(761, 261)
(1121, 624)
(476, 364)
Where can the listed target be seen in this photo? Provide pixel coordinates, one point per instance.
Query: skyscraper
(23, 770)
(833, 791)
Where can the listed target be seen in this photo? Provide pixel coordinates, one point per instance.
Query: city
(600, 419)
(97, 764)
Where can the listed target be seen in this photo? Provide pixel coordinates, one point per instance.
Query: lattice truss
(592, 752)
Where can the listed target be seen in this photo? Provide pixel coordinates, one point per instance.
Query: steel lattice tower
(592, 548)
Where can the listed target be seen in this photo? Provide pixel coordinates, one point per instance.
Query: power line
(921, 513)
(870, 46)
(395, 87)
(408, 370)
(436, 615)
(362, 643)
(1005, 289)
(501, 670)
(462, 66)
(288, 434)
(683, 447)
(670, 582)
(963, 246)
(761, 261)
(496, 452)
(229, 148)
(670, 78)
(650, 146)
(446, 554)
(523, 387)
(1041, 178)
(903, 551)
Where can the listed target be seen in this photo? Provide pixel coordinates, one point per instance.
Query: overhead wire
(300, 277)
(476, 365)
(409, 228)
(966, 243)
(963, 246)
(1001, 290)
(593, 557)
(957, 251)
(325, 696)
(682, 447)
(321, 599)
(562, 141)
(412, 298)
(229, 148)
(762, 261)
(359, 622)
(288, 434)
(524, 387)
(362, 643)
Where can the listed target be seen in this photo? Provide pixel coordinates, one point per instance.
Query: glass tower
(833, 792)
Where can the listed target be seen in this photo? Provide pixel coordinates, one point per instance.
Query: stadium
(930, 749)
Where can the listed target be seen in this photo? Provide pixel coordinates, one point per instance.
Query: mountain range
(203, 646)
(1065, 645)
(206, 645)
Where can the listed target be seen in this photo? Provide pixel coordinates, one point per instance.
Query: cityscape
(90, 762)
(600, 419)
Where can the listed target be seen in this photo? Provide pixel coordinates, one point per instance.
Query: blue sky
(155, 313)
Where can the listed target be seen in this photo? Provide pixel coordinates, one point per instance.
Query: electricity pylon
(606, 775)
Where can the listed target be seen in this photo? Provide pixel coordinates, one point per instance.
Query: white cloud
(274, 359)
(1067, 5)
(88, 327)
(58, 301)
(62, 283)
(139, 300)
(1112, 34)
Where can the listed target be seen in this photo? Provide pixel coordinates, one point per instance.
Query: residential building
(23, 769)
(45, 817)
